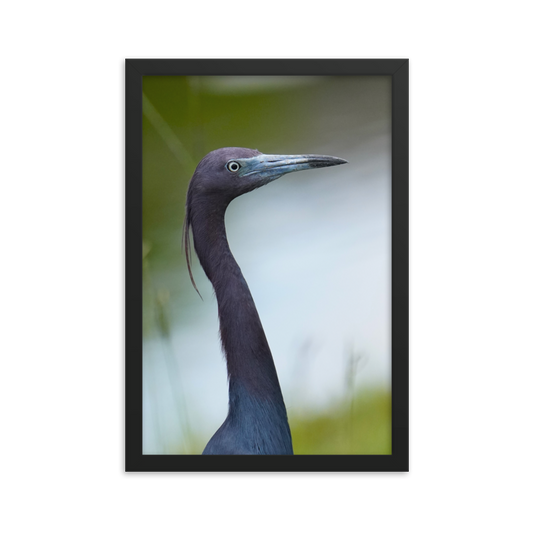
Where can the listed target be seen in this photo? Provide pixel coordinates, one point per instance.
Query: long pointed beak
(266, 167)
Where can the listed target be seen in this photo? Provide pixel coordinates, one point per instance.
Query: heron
(257, 422)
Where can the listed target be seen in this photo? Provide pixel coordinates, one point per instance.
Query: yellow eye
(233, 166)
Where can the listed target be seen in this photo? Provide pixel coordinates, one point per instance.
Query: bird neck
(249, 360)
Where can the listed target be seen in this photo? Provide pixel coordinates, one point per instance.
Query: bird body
(257, 421)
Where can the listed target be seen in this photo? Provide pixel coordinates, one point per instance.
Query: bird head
(227, 173)
(231, 172)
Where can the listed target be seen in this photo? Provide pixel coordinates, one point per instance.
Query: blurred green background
(314, 247)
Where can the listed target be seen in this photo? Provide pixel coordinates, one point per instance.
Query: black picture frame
(135, 69)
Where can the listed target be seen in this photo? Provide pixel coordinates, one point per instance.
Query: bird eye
(233, 166)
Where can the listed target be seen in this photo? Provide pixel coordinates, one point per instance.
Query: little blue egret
(256, 423)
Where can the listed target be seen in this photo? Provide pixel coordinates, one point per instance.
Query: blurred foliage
(357, 425)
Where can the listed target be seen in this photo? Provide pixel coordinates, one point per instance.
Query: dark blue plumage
(257, 419)
(256, 425)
